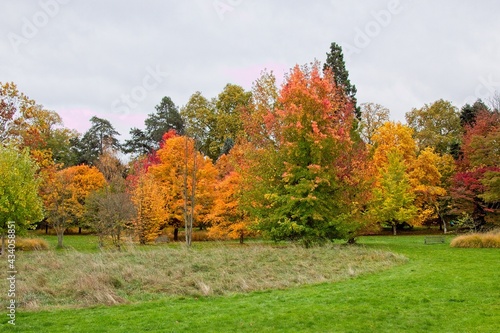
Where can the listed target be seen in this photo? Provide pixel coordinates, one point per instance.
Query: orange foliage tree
(228, 219)
(66, 194)
(178, 162)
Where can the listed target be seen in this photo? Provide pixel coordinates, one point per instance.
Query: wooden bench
(434, 240)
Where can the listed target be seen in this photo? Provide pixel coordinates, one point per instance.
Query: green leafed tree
(201, 123)
(165, 119)
(469, 112)
(20, 205)
(436, 126)
(229, 124)
(100, 136)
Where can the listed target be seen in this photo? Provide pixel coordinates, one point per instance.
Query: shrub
(477, 240)
(31, 244)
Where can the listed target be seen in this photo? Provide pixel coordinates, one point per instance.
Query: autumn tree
(393, 145)
(67, 193)
(20, 205)
(30, 125)
(149, 200)
(393, 136)
(304, 183)
(436, 126)
(393, 199)
(426, 181)
(473, 188)
(480, 145)
(258, 117)
(111, 166)
(227, 217)
(373, 116)
(179, 161)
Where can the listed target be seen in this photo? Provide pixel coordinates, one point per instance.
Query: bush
(477, 240)
(31, 244)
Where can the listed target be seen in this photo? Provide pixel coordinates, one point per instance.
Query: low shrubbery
(477, 240)
(31, 244)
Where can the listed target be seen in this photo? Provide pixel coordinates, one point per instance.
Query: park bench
(434, 240)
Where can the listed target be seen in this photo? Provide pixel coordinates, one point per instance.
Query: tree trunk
(60, 239)
(3, 244)
(79, 230)
(445, 230)
(46, 228)
(241, 238)
(118, 240)
(176, 234)
(394, 229)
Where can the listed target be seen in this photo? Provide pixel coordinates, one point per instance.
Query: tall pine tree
(335, 62)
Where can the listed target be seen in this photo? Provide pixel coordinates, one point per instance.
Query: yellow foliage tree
(425, 179)
(424, 170)
(150, 200)
(393, 137)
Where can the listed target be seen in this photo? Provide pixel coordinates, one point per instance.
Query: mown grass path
(440, 289)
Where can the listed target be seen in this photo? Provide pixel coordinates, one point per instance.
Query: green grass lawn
(440, 289)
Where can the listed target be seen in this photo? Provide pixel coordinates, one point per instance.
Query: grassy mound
(85, 279)
(478, 240)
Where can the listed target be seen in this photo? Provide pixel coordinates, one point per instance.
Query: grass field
(439, 289)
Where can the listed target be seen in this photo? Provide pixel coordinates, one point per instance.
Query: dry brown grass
(478, 240)
(78, 279)
(31, 244)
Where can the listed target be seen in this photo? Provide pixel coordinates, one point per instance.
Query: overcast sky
(117, 59)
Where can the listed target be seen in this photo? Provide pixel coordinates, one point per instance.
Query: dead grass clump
(31, 244)
(477, 240)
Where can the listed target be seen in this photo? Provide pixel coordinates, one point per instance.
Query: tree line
(301, 162)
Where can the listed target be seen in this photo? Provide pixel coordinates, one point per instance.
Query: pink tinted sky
(247, 75)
